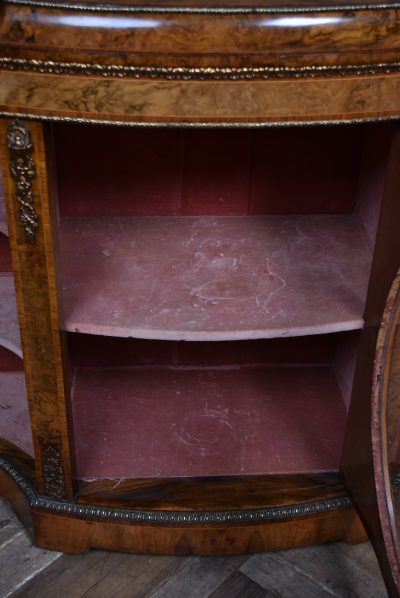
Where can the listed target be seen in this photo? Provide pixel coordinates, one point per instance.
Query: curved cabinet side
(364, 467)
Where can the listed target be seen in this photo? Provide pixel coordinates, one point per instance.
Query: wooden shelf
(14, 420)
(200, 422)
(214, 278)
(9, 329)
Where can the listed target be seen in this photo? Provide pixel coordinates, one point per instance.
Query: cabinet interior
(15, 427)
(213, 288)
(146, 408)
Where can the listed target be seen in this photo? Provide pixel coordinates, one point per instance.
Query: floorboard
(9, 524)
(335, 569)
(238, 585)
(20, 561)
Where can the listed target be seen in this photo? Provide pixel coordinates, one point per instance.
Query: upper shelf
(9, 329)
(214, 278)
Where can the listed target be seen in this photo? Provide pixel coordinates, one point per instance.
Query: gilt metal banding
(197, 73)
(151, 124)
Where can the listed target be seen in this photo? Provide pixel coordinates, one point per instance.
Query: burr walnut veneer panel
(144, 102)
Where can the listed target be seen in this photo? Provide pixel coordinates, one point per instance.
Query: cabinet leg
(354, 531)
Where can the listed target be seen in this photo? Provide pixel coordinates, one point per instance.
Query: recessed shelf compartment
(166, 409)
(206, 421)
(214, 278)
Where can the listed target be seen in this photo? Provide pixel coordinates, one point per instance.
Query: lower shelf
(150, 422)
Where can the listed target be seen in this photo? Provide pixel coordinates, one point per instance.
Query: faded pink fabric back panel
(206, 172)
(103, 351)
(372, 179)
(206, 422)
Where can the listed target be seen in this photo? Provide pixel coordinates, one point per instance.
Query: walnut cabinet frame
(243, 157)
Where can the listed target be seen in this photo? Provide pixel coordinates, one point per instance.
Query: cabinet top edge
(209, 6)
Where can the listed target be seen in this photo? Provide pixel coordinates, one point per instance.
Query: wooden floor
(335, 569)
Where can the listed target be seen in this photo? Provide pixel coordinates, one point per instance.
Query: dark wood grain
(393, 403)
(211, 493)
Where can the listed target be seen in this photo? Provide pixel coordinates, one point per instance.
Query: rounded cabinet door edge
(385, 427)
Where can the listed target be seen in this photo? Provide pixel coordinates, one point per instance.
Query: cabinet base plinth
(74, 536)
(75, 528)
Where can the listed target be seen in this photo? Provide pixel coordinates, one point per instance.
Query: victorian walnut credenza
(203, 213)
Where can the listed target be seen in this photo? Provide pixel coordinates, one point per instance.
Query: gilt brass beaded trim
(107, 8)
(196, 73)
(183, 517)
(196, 125)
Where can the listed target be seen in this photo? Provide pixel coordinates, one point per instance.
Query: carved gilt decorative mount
(53, 472)
(23, 171)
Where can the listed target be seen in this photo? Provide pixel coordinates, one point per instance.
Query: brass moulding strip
(151, 124)
(197, 73)
(107, 8)
(174, 517)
